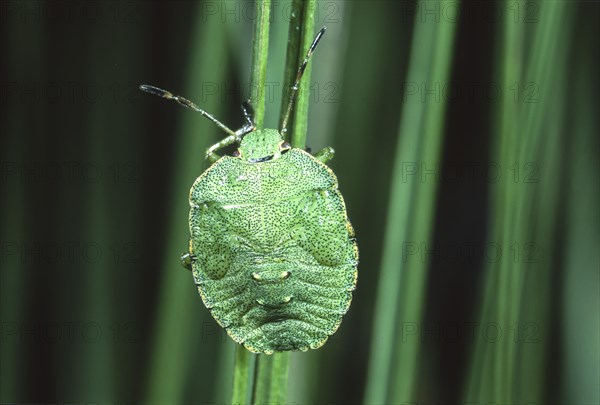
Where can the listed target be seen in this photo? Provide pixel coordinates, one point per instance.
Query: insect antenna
(296, 85)
(187, 103)
(248, 112)
(249, 126)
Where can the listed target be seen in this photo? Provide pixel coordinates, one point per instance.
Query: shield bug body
(271, 250)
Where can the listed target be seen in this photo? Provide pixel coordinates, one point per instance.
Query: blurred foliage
(466, 150)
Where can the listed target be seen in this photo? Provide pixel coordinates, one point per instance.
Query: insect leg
(186, 260)
(212, 157)
(325, 154)
(235, 137)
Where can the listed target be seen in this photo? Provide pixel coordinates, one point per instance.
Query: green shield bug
(272, 251)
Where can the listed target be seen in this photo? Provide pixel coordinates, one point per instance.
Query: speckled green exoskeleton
(271, 250)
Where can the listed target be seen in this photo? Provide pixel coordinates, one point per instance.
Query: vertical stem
(260, 53)
(300, 112)
(271, 378)
(300, 36)
(292, 59)
(244, 376)
(271, 375)
(271, 372)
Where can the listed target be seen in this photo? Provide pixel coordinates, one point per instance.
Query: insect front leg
(211, 156)
(325, 154)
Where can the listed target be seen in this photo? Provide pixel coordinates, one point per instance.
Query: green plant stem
(291, 60)
(268, 383)
(244, 378)
(271, 378)
(271, 372)
(300, 36)
(300, 112)
(260, 53)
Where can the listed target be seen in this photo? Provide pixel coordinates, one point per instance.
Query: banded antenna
(296, 85)
(247, 127)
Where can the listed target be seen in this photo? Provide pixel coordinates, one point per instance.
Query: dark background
(94, 179)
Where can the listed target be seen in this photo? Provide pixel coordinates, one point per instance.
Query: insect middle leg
(325, 154)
